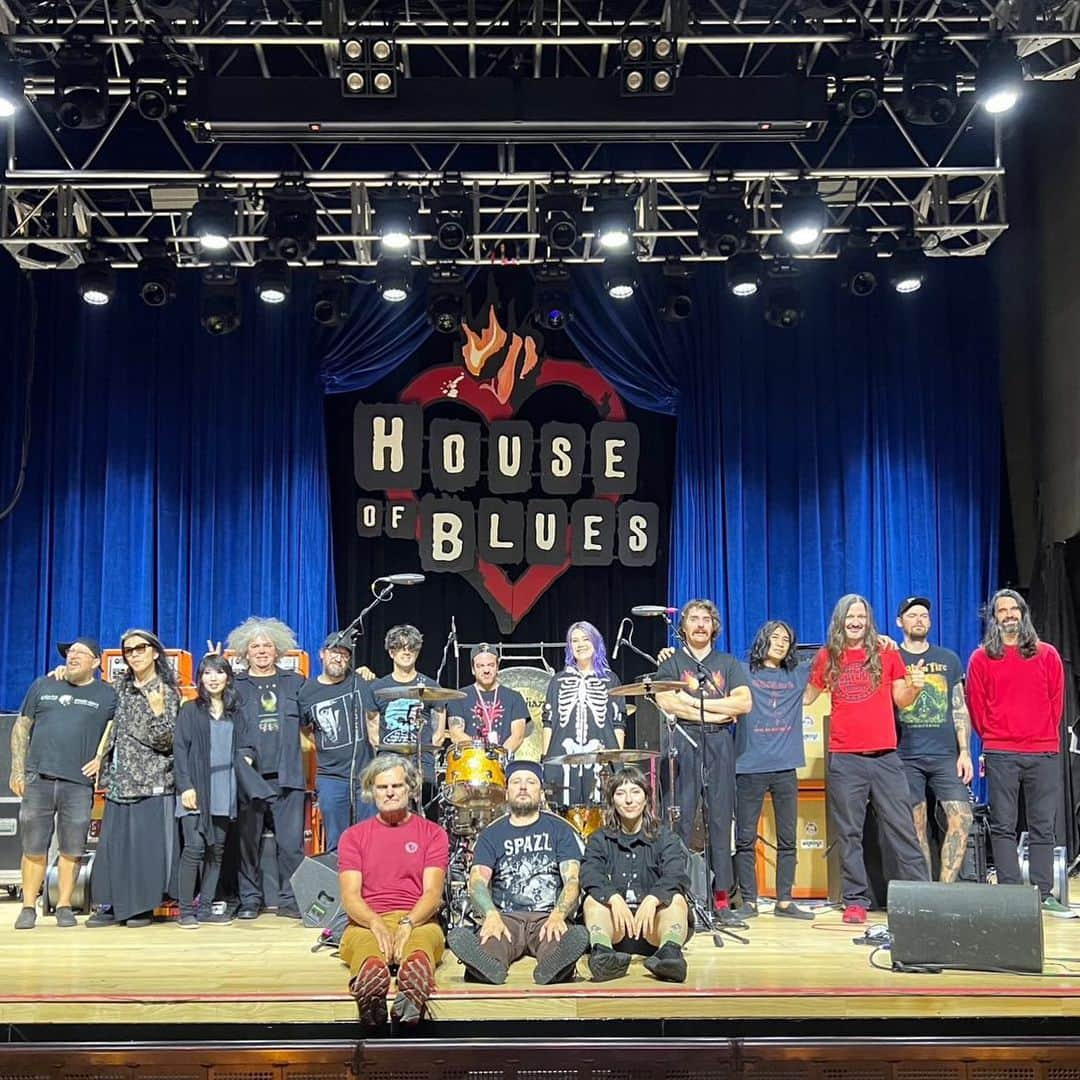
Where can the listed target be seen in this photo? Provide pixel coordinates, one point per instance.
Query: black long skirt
(138, 857)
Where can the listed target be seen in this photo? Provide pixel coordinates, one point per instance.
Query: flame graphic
(479, 348)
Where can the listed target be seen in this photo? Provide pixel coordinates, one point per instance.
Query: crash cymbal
(603, 757)
(418, 693)
(405, 749)
(646, 686)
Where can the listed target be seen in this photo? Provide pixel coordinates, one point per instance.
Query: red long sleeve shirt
(1016, 704)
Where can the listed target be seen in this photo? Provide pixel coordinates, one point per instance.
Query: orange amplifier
(815, 738)
(811, 844)
(294, 660)
(113, 666)
(189, 693)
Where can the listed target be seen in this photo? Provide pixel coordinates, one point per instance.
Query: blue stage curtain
(176, 481)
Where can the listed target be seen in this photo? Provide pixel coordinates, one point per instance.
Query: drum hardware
(585, 820)
(648, 685)
(475, 775)
(603, 757)
(418, 693)
(405, 749)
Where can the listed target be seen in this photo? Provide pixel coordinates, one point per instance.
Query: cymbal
(418, 693)
(405, 749)
(603, 757)
(646, 686)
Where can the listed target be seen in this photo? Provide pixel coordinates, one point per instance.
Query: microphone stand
(704, 676)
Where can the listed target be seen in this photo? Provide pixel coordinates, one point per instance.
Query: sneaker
(65, 917)
(370, 987)
(792, 911)
(1053, 906)
(214, 917)
(188, 922)
(137, 922)
(747, 910)
(101, 918)
(248, 913)
(558, 964)
(465, 945)
(854, 914)
(26, 919)
(416, 983)
(667, 963)
(728, 918)
(288, 913)
(605, 963)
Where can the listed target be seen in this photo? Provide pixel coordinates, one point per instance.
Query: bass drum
(532, 684)
(80, 895)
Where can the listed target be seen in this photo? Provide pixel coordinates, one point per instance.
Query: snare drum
(475, 774)
(585, 820)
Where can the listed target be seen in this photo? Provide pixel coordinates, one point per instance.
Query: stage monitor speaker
(966, 926)
(649, 726)
(315, 885)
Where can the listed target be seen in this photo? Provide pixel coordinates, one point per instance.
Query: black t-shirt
(524, 861)
(926, 726)
(402, 719)
(68, 724)
(271, 702)
(727, 673)
(330, 709)
(488, 711)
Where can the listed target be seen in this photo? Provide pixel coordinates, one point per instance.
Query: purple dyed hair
(600, 660)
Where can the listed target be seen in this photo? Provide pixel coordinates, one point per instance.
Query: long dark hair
(992, 640)
(162, 668)
(230, 699)
(629, 774)
(836, 642)
(760, 649)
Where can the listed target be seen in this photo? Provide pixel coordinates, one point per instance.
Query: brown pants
(358, 942)
(524, 927)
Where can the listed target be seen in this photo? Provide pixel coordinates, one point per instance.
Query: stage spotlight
(95, 278)
(560, 220)
(291, 224)
(273, 280)
(907, 268)
(446, 299)
(451, 211)
(331, 304)
(743, 274)
(369, 66)
(153, 79)
(614, 218)
(395, 219)
(858, 264)
(648, 64)
(620, 277)
(393, 279)
(11, 86)
(157, 276)
(212, 220)
(723, 219)
(551, 296)
(81, 86)
(783, 300)
(219, 305)
(803, 215)
(677, 303)
(1000, 78)
(861, 72)
(930, 67)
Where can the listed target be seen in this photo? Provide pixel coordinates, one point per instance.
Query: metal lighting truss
(135, 181)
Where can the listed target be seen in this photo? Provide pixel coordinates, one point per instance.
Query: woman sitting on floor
(635, 881)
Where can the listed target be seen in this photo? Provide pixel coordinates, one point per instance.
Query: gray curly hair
(240, 639)
(384, 763)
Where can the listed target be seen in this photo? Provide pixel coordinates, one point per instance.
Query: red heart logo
(510, 600)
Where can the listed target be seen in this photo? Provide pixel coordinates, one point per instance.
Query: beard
(524, 807)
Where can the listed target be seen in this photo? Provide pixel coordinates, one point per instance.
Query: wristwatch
(406, 921)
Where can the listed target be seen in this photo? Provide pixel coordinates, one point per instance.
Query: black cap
(483, 647)
(533, 767)
(337, 640)
(910, 602)
(63, 646)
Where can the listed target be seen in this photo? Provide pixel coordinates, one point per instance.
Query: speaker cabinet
(966, 926)
(315, 885)
(811, 843)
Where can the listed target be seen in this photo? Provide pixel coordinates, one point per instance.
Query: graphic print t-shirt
(402, 720)
(862, 720)
(769, 738)
(68, 724)
(726, 674)
(488, 714)
(524, 861)
(330, 711)
(926, 726)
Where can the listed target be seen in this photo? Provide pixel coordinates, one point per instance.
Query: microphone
(618, 640)
(653, 609)
(402, 579)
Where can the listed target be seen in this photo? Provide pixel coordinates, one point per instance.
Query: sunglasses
(136, 650)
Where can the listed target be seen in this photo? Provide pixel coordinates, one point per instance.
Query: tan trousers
(358, 943)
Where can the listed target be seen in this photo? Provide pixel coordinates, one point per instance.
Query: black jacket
(290, 764)
(615, 860)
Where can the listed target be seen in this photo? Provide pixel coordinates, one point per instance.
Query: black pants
(288, 817)
(750, 789)
(1037, 774)
(201, 855)
(855, 780)
(718, 745)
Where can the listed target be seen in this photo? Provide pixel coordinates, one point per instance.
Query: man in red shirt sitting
(865, 681)
(1016, 687)
(391, 869)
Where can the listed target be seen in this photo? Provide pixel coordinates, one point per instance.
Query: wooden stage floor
(265, 972)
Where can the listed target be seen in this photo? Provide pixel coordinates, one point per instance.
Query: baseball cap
(910, 602)
(63, 646)
(337, 641)
(533, 767)
(483, 647)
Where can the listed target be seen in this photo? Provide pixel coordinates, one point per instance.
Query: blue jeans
(337, 814)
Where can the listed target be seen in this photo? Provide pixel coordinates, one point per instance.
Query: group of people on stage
(182, 781)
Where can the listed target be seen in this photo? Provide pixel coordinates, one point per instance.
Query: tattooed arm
(962, 723)
(20, 744)
(555, 924)
(480, 896)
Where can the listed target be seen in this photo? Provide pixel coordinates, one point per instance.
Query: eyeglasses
(136, 650)
(86, 654)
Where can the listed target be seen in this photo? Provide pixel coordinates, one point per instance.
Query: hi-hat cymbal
(603, 757)
(418, 693)
(646, 686)
(405, 749)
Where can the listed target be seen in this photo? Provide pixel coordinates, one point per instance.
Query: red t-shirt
(862, 719)
(393, 859)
